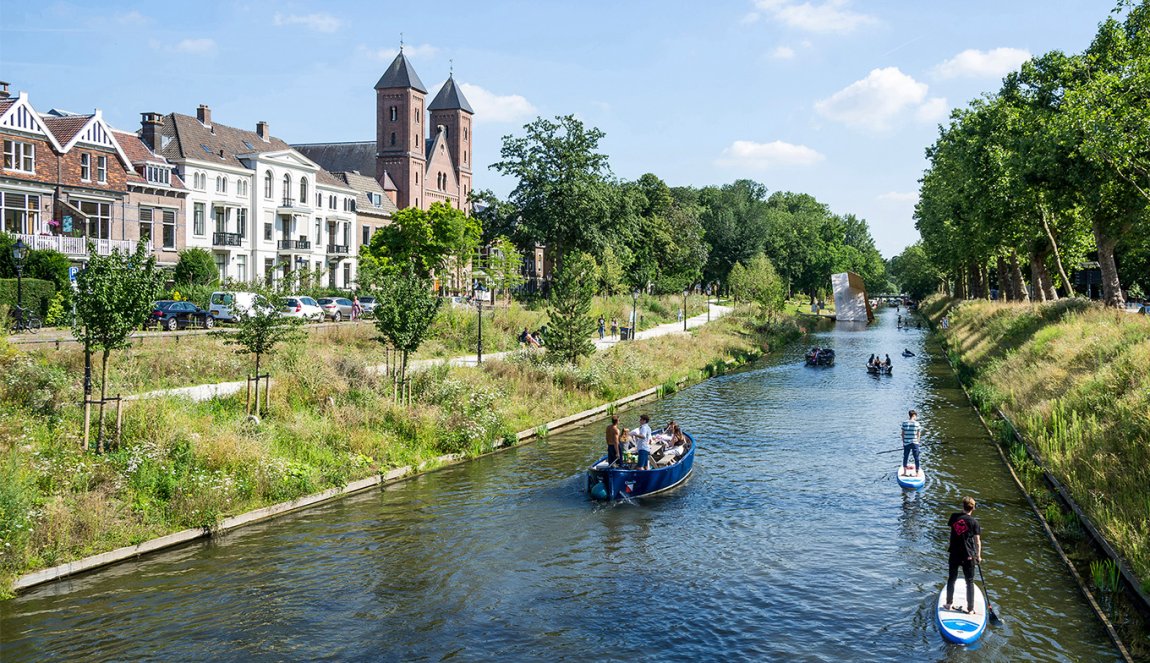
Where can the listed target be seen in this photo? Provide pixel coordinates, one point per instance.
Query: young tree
(505, 266)
(611, 272)
(405, 308)
(114, 295)
(426, 239)
(762, 284)
(196, 267)
(261, 327)
(571, 325)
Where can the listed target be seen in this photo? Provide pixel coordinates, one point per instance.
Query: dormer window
(159, 174)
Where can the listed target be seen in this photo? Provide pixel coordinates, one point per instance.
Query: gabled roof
(400, 74)
(388, 183)
(66, 128)
(450, 97)
(139, 153)
(183, 137)
(71, 129)
(340, 157)
(18, 115)
(364, 184)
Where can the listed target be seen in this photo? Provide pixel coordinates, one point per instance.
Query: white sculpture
(851, 303)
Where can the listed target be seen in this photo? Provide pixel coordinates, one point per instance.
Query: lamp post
(19, 253)
(685, 292)
(708, 303)
(479, 304)
(634, 312)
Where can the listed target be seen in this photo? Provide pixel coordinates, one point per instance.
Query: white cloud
(317, 22)
(202, 46)
(133, 18)
(388, 54)
(973, 63)
(828, 16)
(898, 197)
(491, 107)
(749, 18)
(877, 100)
(783, 53)
(932, 110)
(761, 156)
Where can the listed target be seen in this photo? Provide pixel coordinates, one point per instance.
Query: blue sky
(836, 98)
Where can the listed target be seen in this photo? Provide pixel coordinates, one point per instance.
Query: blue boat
(611, 482)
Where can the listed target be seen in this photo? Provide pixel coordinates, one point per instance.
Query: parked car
(368, 306)
(336, 308)
(299, 306)
(172, 315)
(231, 305)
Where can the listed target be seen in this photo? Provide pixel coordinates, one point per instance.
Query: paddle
(989, 608)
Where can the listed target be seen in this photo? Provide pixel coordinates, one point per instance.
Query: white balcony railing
(78, 246)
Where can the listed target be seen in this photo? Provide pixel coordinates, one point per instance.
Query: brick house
(156, 205)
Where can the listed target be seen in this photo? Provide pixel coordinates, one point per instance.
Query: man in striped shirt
(911, 434)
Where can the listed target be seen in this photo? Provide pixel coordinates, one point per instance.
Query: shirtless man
(613, 451)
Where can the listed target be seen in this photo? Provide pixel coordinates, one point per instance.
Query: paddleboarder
(911, 435)
(965, 551)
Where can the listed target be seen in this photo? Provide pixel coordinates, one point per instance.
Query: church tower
(451, 111)
(399, 132)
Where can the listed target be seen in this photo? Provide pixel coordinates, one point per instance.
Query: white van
(231, 305)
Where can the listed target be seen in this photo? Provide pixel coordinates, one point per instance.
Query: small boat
(912, 481)
(820, 357)
(613, 482)
(907, 353)
(878, 370)
(960, 627)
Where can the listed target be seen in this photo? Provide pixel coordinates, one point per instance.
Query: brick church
(421, 153)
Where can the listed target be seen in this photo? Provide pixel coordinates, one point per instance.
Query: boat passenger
(642, 436)
(870, 362)
(613, 454)
(886, 362)
(965, 551)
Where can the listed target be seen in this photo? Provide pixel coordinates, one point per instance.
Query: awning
(75, 210)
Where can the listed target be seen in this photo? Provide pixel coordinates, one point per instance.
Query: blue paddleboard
(956, 626)
(913, 481)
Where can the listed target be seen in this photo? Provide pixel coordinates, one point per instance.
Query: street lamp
(19, 253)
(708, 303)
(475, 290)
(634, 312)
(685, 291)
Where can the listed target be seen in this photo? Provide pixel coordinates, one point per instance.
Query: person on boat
(870, 362)
(886, 362)
(911, 435)
(907, 353)
(642, 437)
(899, 319)
(965, 551)
(613, 451)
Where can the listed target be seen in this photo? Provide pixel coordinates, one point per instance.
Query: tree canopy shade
(426, 240)
(571, 325)
(196, 267)
(404, 310)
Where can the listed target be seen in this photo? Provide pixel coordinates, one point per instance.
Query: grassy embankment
(179, 361)
(187, 464)
(1073, 378)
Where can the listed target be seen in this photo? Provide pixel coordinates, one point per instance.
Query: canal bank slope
(1072, 378)
(186, 465)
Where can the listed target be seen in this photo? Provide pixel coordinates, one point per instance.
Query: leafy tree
(758, 283)
(426, 239)
(260, 328)
(571, 325)
(196, 267)
(498, 218)
(505, 266)
(44, 264)
(735, 225)
(914, 272)
(405, 308)
(737, 282)
(562, 194)
(610, 272)
(114, 295)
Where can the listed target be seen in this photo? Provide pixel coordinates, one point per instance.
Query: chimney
(204, 115)
(4, 94)
(150, 126)
(262, 130)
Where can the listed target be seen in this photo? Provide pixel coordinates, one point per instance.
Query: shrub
(196, 267)
(37, 294)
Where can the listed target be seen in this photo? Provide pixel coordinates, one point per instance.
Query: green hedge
(37, 294)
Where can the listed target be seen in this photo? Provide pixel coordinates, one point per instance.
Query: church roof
(400, 74)
(341, 157)
(450, 97)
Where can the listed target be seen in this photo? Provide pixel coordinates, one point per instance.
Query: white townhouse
(264, 210)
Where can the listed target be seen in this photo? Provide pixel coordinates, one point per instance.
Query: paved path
(205, 392)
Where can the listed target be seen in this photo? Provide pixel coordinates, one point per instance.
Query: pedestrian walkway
(205, 392)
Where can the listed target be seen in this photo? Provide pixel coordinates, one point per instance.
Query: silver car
(336, 308)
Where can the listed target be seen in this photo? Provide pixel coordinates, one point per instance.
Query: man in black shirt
(965, 552)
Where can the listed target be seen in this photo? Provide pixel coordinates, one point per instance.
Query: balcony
(293, 206)
(294, 245)
(337, 249)
(227, 239)
(77, 247)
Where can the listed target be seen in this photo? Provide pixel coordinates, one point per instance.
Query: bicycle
(22, 320)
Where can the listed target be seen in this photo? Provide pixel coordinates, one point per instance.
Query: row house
(63, 180)
(261, 208)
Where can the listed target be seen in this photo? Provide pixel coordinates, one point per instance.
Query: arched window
(219, 184)
(268, 184)
(240, 187)
(393, 138)
(287, 186)
(303, 190)
(464, 156)
(394, 113)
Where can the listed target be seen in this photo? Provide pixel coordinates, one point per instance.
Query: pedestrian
(642, 437)
(356, 309)
(965, 551)
(613, 454)
(615, 328)
(679, 318)
(946, 322)
(602, 327)
(911, 434)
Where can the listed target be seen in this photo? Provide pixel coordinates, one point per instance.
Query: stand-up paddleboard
(912, 481)
(960, 627)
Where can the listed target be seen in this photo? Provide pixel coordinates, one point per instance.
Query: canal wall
(579, 419)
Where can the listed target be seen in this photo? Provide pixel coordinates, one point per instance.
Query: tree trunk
(1057, 256)
(1038, 275)
(103, 394)
(959, 275)
(403, 367)
(1111, 285)
(1016, 279)
(1002, 278)
(975, 282)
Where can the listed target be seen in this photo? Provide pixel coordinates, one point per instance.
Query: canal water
(791, 541)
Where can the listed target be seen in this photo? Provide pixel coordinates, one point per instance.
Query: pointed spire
(400, 74)
(450, 97)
